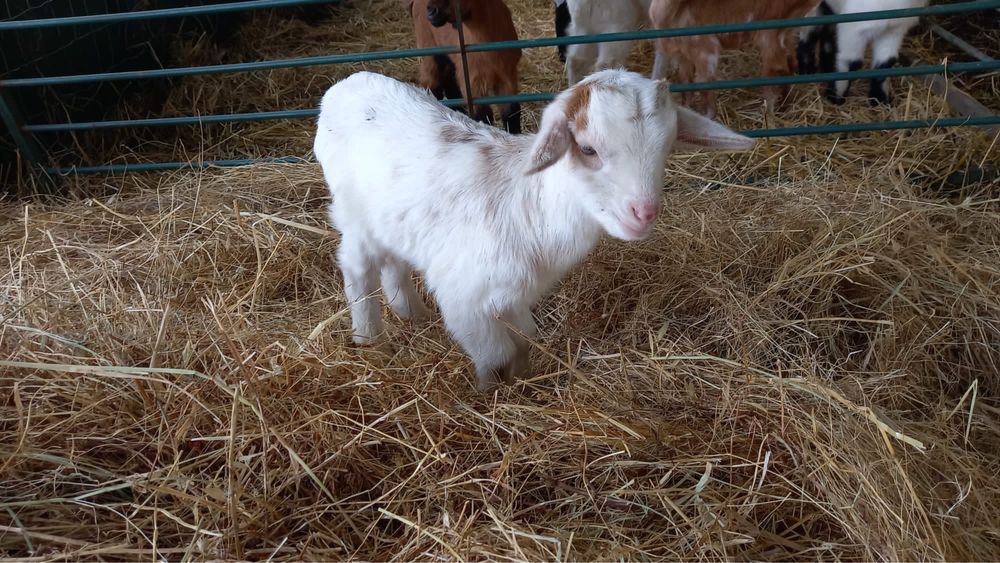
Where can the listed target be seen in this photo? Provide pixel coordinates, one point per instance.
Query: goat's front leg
(851, 46)
(661, 65)
(580, 60)
(885, 50)
(360, 270)
(774, 61)
(483, 114)
(484, 338)
(613, 54)
(510, 114)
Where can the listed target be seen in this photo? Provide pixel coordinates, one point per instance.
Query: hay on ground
(800, 363)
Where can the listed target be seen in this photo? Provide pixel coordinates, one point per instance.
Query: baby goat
(697, 56)
(591, 17)
(842, 46)
(491, 220)
(490, 73)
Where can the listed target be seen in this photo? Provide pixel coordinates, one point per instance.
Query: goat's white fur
(589, 17)
(491, 220)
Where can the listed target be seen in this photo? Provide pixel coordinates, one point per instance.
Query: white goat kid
(591, 17)
(491, 220)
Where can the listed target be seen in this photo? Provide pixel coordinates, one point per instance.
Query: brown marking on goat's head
(577, 104)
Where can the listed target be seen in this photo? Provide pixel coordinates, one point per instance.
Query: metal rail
(119, 17)
(976, 5)
(756, 133)
(523, 98)
(26, 131)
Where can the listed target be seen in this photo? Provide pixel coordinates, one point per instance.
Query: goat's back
(683, 13)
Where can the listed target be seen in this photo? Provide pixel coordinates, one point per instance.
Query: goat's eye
(588, 150)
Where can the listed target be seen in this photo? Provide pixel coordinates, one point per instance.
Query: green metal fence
(27, 135)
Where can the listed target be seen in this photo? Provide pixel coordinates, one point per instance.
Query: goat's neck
(566, 229)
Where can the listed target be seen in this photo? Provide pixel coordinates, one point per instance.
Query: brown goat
(490, 73)
(697, 56)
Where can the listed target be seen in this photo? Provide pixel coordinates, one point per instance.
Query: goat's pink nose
(645, 212)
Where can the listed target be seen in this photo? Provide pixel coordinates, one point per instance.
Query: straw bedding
(800, 363)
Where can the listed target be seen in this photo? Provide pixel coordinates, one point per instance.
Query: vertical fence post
(12, 121)
(465, 58)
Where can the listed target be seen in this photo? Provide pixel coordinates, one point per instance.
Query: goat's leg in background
(510, 114)
(661, 66)
(430, 76)
(562, 21)
(774, 61)
(484, 114)
(851, 45)
(580, 59)
(823, 36)
(885, 50)
(448, 78)
(613, 54)
(706, 64)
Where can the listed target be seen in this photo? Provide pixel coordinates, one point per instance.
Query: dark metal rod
(11, 25)
(960, 43)
(496, 46)
(225, 68)
(525, 98)
(465, 57)
(12, 121)
(778, 132)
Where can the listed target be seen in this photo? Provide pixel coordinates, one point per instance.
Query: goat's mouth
(633, 230)
(637, 233)
(438, 20)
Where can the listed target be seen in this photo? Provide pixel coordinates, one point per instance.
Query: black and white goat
(842, 46)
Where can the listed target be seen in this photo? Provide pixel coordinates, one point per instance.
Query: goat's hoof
(365, 340)
(416, 315)
(836, 99)
(879, 100)
(486, 386)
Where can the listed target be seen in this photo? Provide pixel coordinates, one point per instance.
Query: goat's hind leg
(885, 50)
(484, 114)
(851, 45)
(359, 267)
(510, 114)
(580, 60)
(520, 364)
(484, 338)
(397, 285)
(613, 54)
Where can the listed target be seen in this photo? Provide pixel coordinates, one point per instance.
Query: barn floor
(800, 363)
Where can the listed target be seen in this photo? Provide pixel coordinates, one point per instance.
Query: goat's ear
(695, 131)
(553, 140)
(663, 95)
